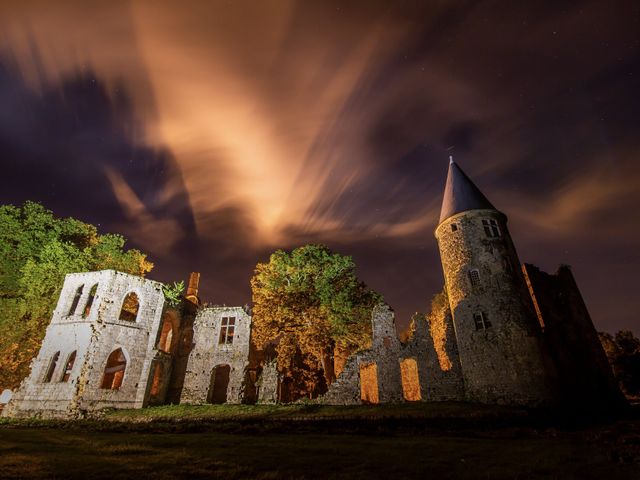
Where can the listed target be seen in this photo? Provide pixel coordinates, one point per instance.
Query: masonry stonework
(499, 341)
(498, 333)
(93, 330)
(212, 354)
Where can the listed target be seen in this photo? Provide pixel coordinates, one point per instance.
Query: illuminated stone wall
(502, 358)
(93, 334)
(208, 353)
(387, 354)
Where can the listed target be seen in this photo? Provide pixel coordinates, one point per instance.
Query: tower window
(474, 277)
(481, 322)
(454, 227)
(491, 228)
(227, 330)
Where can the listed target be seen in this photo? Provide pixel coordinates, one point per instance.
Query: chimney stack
(192, 289)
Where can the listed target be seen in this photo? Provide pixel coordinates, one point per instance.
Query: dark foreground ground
(304, 441)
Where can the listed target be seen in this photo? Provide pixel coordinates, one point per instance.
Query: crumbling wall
(208, 353)
(384, 353)
(267, 383)
(440, 375)
(586, 378)
(93, 333)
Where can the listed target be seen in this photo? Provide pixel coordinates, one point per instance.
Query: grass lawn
(301, 441)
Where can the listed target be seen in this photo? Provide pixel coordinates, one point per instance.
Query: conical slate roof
(460, 194)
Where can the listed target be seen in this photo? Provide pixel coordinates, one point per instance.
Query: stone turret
(498, 336)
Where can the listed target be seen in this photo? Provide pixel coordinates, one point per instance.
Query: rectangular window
(491, 228)
(454, 227)
(481, 322)
(474, 277)
(227, 330)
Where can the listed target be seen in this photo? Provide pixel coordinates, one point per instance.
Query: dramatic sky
(211, 133)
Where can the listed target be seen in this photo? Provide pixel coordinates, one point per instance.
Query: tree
(37, 250)
(310, 303)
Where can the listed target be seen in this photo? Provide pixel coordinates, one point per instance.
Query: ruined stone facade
(90, 348)
(113, 342)
(216, 369)
(507, 335)
(499, 333)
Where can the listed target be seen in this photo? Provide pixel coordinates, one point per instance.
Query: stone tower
(499, 338)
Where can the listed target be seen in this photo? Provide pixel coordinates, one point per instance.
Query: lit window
(481, 322)
(491, 228)
(130, 307)
(454, 227)
(69, 367)
(92, 295)
(474, 277)
(76, 300)
(227, 329)
(114, 370)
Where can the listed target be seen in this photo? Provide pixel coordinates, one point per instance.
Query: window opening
(76, 300)
(92, 295)
(227, 330)
(130, 308)
(410, 380)
(114, 370)
(491, 228)
(369, 383)
(69, 367)
(52, 367)
(481, 322)
(474, 277)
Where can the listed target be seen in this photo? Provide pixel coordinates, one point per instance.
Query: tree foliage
(310, 302)
(37, 250)
(173, 293)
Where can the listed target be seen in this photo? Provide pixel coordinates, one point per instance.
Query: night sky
(210, 134)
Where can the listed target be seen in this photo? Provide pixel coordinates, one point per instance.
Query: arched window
(76, 300)
(166, 336)
(69, 367)
(92, 295)
(114, 370)
(130, 307)
(52, 367)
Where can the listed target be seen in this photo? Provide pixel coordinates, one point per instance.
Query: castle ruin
(503, 333)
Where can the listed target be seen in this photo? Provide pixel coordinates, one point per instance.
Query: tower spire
(461, 194)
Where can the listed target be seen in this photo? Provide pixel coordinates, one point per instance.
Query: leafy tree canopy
(310, 302)
(37, 250)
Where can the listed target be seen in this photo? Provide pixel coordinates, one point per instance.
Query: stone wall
(93, 333)
(208, 353)
(586, 378)
(503, 359)
(387, 353)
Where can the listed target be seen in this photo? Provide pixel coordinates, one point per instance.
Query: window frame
(491, 228)
(474, 277)
(481, 321)
(227, 330)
